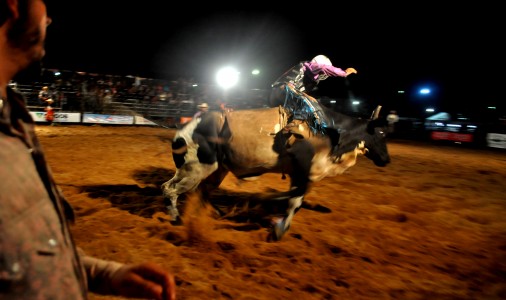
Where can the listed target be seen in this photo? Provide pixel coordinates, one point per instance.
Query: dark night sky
(457, 50)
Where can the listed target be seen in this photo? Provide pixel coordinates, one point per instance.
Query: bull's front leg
(299, 186)
(301, 154)
(282, 226)
(170, 196)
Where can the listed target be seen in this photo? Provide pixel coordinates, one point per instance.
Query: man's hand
(350, 71)
(146, 280)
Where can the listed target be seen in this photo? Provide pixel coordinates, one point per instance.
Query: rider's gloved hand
(350, 71)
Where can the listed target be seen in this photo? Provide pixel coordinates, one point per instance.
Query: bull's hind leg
(186, 179)
(171, 190)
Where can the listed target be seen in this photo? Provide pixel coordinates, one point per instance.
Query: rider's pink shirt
(319, 69)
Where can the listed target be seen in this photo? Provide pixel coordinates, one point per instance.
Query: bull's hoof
(278, 230)
(177, 221)
(174, 215)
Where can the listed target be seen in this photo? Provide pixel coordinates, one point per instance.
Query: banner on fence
(452, 136)
(60, 117)
(108, 119)
(143, 121)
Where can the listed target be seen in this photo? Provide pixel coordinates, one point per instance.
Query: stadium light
(227, 77)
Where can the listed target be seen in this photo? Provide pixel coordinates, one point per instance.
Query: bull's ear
(375, 123)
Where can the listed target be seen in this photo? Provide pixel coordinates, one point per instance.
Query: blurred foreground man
(38, 257)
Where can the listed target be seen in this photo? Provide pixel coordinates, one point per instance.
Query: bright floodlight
(227, 77)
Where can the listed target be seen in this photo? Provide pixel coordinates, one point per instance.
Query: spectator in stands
(38, 257)
(44, 95)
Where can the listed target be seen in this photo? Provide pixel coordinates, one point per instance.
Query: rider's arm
(319, 69)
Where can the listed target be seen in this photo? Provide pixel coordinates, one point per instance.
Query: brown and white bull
(249, 143)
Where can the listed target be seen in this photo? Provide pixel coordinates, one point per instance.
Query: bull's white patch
(186, 179)
(326, 166)
(277, 128)
(191, 147)
(191, 153)
(187, 131)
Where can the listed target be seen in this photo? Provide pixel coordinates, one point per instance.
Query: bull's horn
(375, 113)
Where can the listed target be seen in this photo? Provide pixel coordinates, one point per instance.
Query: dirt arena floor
(431, 225)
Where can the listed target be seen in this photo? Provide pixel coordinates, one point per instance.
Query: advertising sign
(143, 121)
(108, 119)
(451, 136)
(60, 117)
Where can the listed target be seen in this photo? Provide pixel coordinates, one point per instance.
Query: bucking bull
(305, 140)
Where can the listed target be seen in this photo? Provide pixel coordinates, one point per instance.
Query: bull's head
(364, 137)
(375, 140)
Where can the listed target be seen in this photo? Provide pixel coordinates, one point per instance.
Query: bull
(249, 143)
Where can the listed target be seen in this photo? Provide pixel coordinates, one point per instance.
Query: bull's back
(250, 137)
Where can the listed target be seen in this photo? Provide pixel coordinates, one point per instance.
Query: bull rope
(283, 120)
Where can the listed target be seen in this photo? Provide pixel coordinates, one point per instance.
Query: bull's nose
(382, 163)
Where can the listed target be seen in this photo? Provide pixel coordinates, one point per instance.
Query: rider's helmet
(322, 60)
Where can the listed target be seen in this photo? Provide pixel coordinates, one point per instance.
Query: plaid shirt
(38, 257)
